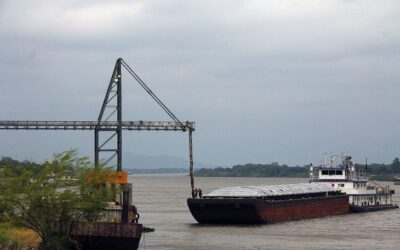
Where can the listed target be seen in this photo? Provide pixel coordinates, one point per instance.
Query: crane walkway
(99, 125)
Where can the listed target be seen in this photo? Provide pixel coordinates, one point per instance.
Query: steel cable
(150, 92)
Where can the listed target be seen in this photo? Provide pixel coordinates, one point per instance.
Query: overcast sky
(265, 81)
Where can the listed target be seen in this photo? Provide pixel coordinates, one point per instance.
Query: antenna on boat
(366, 166)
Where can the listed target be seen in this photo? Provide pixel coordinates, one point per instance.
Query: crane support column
(119, 116)
(111, 113)
(191, 159)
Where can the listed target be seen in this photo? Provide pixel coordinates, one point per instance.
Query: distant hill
(142, 161)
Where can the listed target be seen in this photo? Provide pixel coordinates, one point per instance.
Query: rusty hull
(253, 210)
(104, 235)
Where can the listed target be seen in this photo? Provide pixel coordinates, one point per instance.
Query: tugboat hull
(362, 209)
(253, 210)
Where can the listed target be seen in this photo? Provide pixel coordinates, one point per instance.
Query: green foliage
(12, 168)
(256, 170)
(383, 172)
(5, 230)
(52, 198)
(376, 171)
(396, 165)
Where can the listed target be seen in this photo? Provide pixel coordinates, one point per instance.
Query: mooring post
(191, 159)
(125, 203)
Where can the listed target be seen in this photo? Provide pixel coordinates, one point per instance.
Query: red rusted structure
(244, 211)
(105, 235)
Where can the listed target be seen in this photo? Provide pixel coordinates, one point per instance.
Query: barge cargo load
(269, 203)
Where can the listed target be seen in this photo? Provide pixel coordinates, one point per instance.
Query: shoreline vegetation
(376, 171)
(41, 204)
(379, 172)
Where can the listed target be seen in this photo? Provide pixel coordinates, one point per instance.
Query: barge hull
(304, 208)
(252, 210)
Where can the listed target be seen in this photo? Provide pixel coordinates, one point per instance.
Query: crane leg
(191, 159)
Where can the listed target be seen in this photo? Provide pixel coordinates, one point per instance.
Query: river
(161, 202)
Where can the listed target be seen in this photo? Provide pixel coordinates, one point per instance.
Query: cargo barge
(267, 204)
(337, 186)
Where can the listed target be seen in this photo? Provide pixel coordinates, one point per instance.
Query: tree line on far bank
(255, 170)
(375, 171)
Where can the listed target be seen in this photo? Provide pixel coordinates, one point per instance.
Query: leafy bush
(58, 192)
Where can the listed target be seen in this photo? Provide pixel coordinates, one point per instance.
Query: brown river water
(161, 201)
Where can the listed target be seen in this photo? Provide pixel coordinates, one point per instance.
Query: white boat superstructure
(340, 172)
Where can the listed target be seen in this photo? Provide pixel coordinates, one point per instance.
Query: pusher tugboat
(340, 172)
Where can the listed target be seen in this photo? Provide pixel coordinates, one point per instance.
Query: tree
(51, 199)
(396, 165)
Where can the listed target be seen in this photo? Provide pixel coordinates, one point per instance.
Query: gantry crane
(110, 121)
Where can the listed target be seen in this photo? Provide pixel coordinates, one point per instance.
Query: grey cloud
(265, 80)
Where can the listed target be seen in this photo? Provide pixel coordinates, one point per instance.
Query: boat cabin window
(341, 185)
(332, 172)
